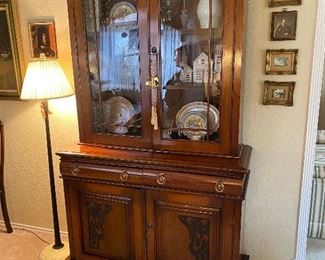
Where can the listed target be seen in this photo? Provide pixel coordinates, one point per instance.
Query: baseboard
(32, 228)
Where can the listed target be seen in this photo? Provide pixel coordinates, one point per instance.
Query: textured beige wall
(26, 179)
(276, 133)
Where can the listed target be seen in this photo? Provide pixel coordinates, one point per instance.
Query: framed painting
(43, 39)
(274, 3)
(11, 62)
(283, 26)
(278, 93)
(281, 61)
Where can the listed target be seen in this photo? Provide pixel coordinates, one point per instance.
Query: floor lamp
(46, 80)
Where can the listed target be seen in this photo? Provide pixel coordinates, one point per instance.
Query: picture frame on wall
(11, 54)
(283, 26)
(281, 62)
(43, 39)
(278, 93)
(275, 3)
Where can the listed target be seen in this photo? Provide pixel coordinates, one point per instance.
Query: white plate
(117, 113)
(194, 116)
(121, 10)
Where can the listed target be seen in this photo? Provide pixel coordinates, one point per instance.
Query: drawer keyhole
(75, 170)
(161, 180)
(219, 187)
(124, 176)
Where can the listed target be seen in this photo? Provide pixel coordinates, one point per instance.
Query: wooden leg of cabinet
(244, 257)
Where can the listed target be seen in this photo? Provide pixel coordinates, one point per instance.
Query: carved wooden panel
(199, 229)
(184, 228)
(96, 219)
(107, 225)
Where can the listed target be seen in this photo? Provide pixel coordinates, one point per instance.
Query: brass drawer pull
(124, 176)
(219, 187)
(161, 180)
(75, 170)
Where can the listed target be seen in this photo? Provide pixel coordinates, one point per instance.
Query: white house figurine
(201, 68)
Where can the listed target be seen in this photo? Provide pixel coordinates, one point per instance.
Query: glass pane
(113, 57)
(191, 53)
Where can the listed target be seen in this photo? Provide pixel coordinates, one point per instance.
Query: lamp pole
(45, 111)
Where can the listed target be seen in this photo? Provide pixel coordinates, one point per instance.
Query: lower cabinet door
(189, 227)
(107, 221)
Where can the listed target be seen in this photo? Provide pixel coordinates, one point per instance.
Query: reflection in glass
(191, 53)
(113, 56)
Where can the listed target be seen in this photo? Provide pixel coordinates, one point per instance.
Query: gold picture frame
(275, 3)
(283, 26)
(11, 54)
(42, 38)
(278, 93)
(281, 62)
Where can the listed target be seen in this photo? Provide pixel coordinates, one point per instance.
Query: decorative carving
(96, 216)
(169, 10)
(199, 229)
(106, 7)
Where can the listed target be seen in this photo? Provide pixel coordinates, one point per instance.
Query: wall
(276, 133)
(321, 122)
(26, 172)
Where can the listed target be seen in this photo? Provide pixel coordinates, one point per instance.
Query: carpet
(24, 243)
(315, 249)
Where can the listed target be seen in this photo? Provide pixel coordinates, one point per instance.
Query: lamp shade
(45, 80)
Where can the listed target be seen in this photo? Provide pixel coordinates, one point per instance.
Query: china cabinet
(159, 172)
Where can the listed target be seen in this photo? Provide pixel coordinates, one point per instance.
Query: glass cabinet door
(161, 74)
(191, 41)
(191, 53)
(114, 63)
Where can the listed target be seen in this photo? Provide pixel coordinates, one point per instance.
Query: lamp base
(49, 253)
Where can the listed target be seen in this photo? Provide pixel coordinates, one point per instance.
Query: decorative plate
(194, 116)
(117, 113)
(121, 10)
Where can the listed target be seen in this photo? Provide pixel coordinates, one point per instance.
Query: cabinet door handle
(149, 229)
(161, 180)
(75, 170)
(219, 187)
(124, 176)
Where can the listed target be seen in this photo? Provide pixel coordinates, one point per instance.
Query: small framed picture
(281, 61)
(43, 39)
(283, 26)
(278, 93)
(274, 3)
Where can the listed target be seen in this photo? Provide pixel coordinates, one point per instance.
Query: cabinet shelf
(203, 34)
(190, 85)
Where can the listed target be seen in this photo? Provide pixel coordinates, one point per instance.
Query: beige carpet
(315, 249)
(23, 245)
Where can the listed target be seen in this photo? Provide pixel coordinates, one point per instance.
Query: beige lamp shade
(44, 80)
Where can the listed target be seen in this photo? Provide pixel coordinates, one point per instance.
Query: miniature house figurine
(201, 68)
(186, 73)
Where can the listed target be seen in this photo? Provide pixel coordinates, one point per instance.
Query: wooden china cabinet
(159, 172)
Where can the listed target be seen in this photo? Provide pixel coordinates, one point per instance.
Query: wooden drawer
(194, 182)
(122, 175)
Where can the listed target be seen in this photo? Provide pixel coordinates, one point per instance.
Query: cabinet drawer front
(194, 182)
(121, 175)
